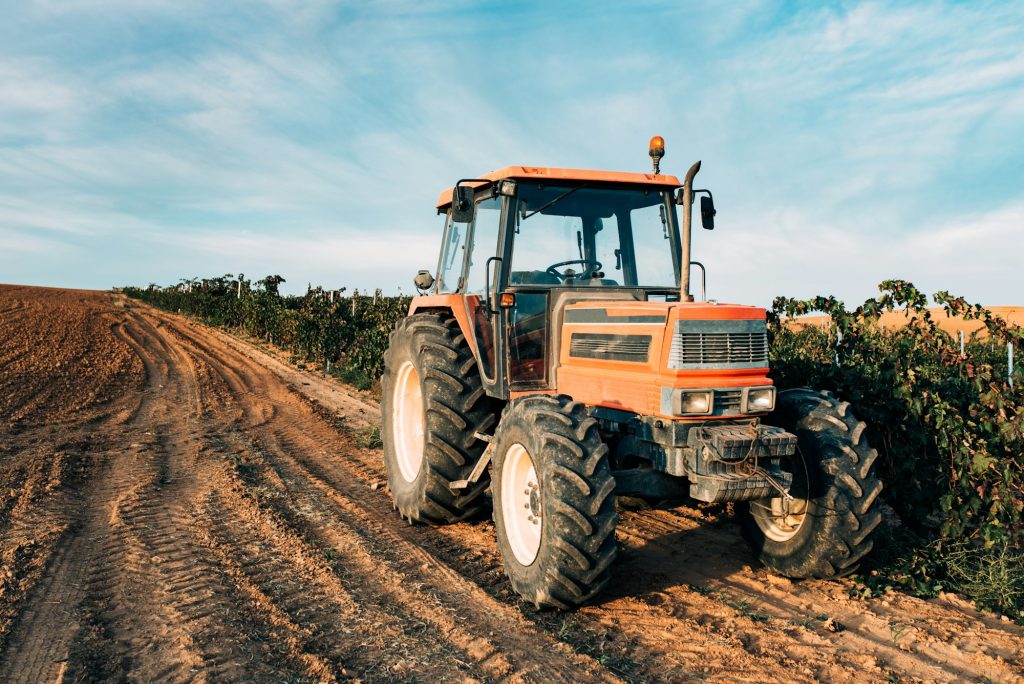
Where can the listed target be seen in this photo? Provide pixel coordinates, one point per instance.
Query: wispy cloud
(21, 244)
(974, 255)
(166, 139)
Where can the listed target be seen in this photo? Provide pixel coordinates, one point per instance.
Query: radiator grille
(727, 402)
(610, 347)
(719, 344)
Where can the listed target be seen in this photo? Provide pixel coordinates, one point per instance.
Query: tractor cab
(523, 243)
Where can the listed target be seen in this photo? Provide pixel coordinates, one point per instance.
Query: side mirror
(423, 281)
(707, 212)
(462, 204)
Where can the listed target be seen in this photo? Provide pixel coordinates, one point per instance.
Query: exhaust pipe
(684, 293)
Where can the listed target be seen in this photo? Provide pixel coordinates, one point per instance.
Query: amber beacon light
(657, 151)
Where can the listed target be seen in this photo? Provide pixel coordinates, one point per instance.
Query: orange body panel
(636, 387)
(626, 385)
(540, 172)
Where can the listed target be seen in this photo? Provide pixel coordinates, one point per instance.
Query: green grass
(369, 438)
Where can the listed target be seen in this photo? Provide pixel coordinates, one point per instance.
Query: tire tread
(455, 407)
(845, 516)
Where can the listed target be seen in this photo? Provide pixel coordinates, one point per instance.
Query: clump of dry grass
(993, 576)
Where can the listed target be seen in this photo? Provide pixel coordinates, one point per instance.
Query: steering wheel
(552, 269)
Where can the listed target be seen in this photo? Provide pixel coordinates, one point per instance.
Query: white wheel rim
(521, 504)
(408, 421)
(778, 519)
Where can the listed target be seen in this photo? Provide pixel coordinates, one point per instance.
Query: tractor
(557, 359)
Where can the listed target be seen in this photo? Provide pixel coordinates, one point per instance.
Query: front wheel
(554, 507)
(825, 528)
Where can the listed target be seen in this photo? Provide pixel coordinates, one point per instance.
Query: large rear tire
(827, 528)
(554, 506)
(432, 404)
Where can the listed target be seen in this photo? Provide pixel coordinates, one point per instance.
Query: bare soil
(179, 505)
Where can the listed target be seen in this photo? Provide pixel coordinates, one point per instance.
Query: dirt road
(177, 505)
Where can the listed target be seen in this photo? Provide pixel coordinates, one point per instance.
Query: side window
(484, 246)
(452, 256)
(485, 243)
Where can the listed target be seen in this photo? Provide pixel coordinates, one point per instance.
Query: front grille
(719, 344)
(727, 402)
(610, 347)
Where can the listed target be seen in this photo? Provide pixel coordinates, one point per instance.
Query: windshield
(591, 236)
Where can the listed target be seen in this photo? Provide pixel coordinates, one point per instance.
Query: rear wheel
(825, 529)
(554, 507)
(432, 404)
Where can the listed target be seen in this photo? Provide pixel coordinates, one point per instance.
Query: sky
(845, 143)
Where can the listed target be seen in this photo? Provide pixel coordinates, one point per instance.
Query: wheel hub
(779, 519)
(534, 502)
(522, 504)
(409, 423)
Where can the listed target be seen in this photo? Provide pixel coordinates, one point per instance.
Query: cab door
(483, 273)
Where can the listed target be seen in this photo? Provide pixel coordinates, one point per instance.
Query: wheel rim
(408, 422)
(521, 505)
(778, 519)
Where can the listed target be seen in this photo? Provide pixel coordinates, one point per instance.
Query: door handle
(491, 311)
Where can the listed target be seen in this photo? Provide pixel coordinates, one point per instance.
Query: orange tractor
(557, 358)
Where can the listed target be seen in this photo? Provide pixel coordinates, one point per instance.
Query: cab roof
(545, 173)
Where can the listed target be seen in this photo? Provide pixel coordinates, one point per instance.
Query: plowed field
(177, 505)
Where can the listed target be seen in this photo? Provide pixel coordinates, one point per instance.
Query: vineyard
(943, 412)
(345, 335)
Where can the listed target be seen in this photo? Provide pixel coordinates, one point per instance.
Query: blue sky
(146, 141)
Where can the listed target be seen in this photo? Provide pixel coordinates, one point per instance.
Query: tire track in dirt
(99, 561)
(191, 613)
(792, 614)
(268, 573)
(146, 600)
(44, 464)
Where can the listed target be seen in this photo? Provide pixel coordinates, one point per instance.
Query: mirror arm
(710, 216)
(484, 181)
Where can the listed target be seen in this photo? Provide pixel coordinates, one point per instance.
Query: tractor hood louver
(634, 348)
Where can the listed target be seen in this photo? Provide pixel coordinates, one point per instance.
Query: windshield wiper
(554, 201)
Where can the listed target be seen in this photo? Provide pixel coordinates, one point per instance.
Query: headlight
(760, 400)
(694, 402)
